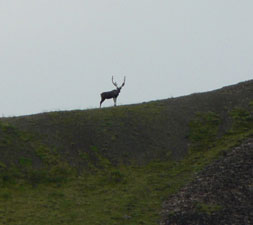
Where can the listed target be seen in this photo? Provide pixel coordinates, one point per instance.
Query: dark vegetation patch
(25, 158)
(116, 165)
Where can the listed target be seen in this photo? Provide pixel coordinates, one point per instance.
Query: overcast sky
(61, 54)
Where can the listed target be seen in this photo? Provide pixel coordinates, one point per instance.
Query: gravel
(221, 194)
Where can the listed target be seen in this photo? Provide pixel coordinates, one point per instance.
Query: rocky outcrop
(221, 194)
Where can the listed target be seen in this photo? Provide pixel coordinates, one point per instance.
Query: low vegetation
(115, 165)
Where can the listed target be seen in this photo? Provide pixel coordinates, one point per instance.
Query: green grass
(207, 208)
(116, 195)
(111, 166)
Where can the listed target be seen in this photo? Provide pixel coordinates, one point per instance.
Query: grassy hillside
(115, 165)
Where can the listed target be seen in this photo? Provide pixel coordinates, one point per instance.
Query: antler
(114, 83)
(123, 82)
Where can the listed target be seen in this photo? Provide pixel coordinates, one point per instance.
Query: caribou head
(112, 94)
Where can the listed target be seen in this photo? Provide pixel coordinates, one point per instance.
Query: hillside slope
(135, 133)
(116, 166)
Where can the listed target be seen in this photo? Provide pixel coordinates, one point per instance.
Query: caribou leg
(102, 99)
(115, 100)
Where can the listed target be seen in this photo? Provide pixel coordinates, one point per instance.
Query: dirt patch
(221, 194)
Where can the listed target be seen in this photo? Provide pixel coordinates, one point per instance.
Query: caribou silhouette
(112, 94)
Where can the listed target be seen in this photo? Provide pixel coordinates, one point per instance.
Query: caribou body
(112, 94)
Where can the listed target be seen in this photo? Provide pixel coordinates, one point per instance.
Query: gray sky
(61, 54)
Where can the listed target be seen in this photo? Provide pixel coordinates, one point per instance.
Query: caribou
(112, 94)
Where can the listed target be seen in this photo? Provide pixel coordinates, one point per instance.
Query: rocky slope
(221, 194)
